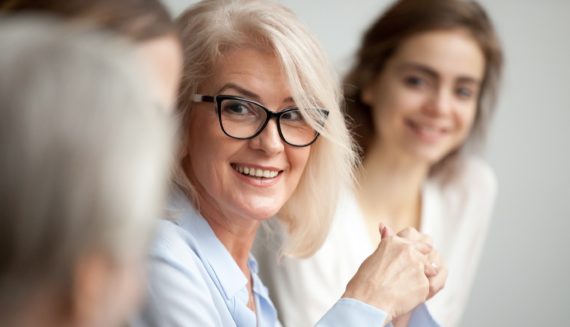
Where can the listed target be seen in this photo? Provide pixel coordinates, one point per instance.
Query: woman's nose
(440, 103)
(269, 140)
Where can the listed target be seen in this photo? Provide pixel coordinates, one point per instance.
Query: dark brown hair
(138, 20)
(407, 18)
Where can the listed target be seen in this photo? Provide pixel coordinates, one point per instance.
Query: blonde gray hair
(210, 28)
(85, 156)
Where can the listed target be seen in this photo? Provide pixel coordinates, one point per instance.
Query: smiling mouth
(256, 172)
(427, 131)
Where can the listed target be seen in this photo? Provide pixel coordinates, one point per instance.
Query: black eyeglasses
(244, 119)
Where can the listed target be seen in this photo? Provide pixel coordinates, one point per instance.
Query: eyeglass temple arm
(202, 98)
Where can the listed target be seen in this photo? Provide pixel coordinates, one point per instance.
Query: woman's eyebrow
(433, 74)
(247, 93)
(418, 67)
(240, 90)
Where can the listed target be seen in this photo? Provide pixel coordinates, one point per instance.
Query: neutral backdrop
(524, 274)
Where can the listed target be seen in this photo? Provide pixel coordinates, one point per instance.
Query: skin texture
(162, 58)
(234, 204)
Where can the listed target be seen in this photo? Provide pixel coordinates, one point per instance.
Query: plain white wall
(524, 275)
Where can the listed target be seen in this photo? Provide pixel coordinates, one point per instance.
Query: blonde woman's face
(425, 100)
(249, 179)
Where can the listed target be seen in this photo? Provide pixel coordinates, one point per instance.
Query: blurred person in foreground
(420, 97)
(145, 23)
(83, 168)
(263, 135)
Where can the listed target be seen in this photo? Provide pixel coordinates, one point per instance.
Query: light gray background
(524, 275)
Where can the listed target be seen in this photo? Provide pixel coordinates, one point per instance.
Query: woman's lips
(257, 175)
(425, 132)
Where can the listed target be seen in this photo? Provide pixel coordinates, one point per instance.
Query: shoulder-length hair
(212, 27)
(402, 20)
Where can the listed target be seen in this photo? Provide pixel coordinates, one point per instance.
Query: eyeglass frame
(217, 101)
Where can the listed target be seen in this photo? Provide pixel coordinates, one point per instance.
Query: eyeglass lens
(242, 119)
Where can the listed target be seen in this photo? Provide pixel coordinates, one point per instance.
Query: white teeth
(256, 172)
(428, 129)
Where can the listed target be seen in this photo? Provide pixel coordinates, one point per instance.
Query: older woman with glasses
(263, 136)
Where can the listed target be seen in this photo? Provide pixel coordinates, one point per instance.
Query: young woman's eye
(464, 93)
(415, 81)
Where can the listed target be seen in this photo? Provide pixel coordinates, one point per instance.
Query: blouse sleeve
(350, 312)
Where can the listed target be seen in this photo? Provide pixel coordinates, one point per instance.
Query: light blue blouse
(194, 281)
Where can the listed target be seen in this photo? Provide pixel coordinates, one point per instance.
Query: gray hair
(85, 155)
(213, 27)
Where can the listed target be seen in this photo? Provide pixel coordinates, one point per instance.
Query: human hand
(393, 278)
(435, 267)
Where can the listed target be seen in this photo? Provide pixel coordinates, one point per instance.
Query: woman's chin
(261, 208)
(262, 214)
(429, 156)
(262, 211)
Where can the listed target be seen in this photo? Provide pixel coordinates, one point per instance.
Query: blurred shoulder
(471, 175)
(175, 247)
(468, 189)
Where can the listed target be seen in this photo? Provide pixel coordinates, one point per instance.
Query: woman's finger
(436, 272)
(437, 282)
(385, 231)
(413, 235)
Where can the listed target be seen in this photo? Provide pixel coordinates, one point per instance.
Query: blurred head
(425, 79)
(84, 163)
(144, 22)
(259, 52)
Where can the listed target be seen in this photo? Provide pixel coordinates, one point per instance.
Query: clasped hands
(404, 271)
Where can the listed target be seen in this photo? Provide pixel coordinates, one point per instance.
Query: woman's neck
(237, 239)
(390, 187)
(236, 233)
